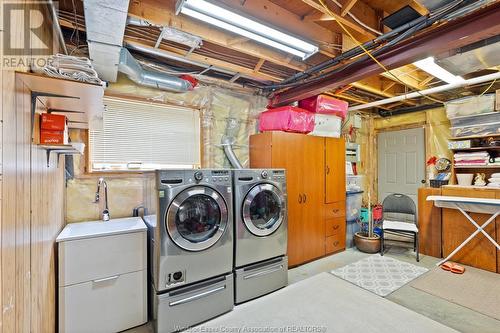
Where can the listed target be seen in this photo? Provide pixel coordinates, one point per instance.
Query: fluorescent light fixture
(225, 19)
(430, 66)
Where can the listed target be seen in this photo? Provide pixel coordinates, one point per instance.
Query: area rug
(476, 289)
(381, 275)
(322, 303)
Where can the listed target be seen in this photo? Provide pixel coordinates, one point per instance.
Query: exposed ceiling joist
(368, 15)
(407, 75)
(347, 6)
(371, 89)
(481, 24)
(210, 61)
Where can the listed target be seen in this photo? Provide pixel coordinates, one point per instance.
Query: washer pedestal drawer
(110, 304)
(190, 305)
(255, 280)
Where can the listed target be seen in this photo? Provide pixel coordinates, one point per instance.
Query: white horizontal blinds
(151, 134)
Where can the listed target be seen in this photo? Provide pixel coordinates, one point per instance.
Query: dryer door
(197, 218)
(263, 209)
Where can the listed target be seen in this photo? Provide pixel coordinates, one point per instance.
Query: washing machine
(190, 228)
(260, 216)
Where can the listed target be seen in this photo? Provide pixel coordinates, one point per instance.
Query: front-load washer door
(197, 218)
(263, 209)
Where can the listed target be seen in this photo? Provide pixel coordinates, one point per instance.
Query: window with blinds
(145, 136)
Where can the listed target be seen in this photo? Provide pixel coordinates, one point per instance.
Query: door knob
(423, 181)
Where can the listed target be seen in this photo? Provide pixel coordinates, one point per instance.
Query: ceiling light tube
(429, 65)
(244, 26)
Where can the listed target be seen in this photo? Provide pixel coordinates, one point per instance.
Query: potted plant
(367, 241)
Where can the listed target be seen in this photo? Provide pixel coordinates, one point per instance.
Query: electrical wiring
(358, 20)
(371, 56)
(446, 12)
(491, 85)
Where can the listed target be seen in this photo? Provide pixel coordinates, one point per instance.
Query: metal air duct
(227, 144)
(105, 26)
(129, 66)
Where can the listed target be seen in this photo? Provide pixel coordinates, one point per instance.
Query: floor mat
(379, 274)
(476, 289)
(322, 303)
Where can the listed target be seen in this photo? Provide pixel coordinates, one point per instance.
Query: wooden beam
(402, 73)
(426, 81)
(389, 86)
(419, 7)
(157, 12)
(347, 6)
(259, 65)
(348, 22)
(376, 91)
(353, 99)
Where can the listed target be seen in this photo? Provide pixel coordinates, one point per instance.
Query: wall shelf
(76, 148)
(474, 137)
(476, 148)
(477, 167)
(80, 102)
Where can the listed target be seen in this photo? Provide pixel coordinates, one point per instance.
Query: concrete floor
(450, 314)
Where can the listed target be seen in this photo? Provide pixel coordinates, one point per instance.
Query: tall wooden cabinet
(315, 169)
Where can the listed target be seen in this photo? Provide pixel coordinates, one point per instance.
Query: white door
(401, 162)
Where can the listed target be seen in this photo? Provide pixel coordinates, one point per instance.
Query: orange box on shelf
(52, 122)
(53, 137)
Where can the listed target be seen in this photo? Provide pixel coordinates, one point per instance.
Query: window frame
(88, 163)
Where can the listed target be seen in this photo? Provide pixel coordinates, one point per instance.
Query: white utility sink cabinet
(102, 275)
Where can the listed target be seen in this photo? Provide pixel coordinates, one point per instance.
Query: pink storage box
(287, 119)
(325, 104)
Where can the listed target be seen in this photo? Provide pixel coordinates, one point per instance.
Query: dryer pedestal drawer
(259, 279)
(190, 305)
(110, 304)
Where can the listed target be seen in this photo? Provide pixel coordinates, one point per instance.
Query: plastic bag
(288, 119)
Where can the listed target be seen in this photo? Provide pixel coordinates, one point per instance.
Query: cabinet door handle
(335, 227)
(327, 170)
(335, 211)
(305, 198)
(335, 243)
(300, 198)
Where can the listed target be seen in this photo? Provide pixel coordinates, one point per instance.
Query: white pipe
(476, 80)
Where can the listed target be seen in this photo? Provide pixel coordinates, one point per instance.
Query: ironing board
(474, 205)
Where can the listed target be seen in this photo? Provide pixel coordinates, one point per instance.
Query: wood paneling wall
(32, 206)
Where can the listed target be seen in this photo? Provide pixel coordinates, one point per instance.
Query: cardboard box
(52, 122)
(497, 100)
(48, 137)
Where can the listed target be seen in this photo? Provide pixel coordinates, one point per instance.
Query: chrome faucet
(105, 212)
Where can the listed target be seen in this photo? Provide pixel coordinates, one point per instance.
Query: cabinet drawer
(334, 210)
(335, 243)
(111, 304)
(335, 226)
(89, 259)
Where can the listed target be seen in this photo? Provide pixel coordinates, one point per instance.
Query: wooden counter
(454, 228)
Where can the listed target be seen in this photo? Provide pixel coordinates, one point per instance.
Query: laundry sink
(98, 228)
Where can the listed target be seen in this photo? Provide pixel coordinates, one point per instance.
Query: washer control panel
(222, 177)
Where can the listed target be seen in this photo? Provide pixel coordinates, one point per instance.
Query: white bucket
(464, 179)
